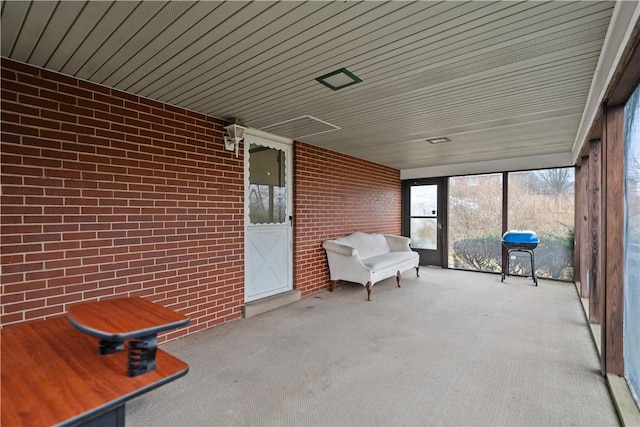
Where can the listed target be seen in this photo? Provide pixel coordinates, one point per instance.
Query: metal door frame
(438, 258)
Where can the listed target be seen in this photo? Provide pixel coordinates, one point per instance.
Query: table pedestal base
(142, 355)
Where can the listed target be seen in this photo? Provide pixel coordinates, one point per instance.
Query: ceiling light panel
(438, 140)
(339, 79)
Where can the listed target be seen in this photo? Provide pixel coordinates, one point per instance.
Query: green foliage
(478, 253)
(553, 256)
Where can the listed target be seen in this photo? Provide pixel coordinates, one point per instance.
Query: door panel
(268, 237)
(424, 205)
(268, 252)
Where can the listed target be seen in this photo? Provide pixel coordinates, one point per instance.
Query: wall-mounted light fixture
(236, 133)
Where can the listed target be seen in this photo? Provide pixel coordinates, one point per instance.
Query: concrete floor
(448, 348)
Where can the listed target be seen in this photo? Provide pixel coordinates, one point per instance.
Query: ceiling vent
(300, 127)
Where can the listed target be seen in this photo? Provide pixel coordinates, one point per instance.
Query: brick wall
(108, 194)
(336, 195)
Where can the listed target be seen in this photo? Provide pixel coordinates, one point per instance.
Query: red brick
(6, 72)
(12, 278)
(24, 305)
(18, 129)
(78, 129)
(58, 96)
(21, 268)
(14, 86)
(21, 108)
(38, 122)
(11, 298)
(44, 256)
(46, 274)
(14, 249)
(7, 319)
(64, 299)
(37, 81)
(61, 246)
(81, 109)
(98, 293)
(51, 75)
(56, 135)
(44, 312)
(43, 293)
(74, 90)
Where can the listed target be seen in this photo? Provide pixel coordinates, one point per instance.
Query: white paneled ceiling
(501, 80)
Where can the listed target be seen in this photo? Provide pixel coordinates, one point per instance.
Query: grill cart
(520, 241)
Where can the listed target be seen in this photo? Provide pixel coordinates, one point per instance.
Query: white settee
(369, 258)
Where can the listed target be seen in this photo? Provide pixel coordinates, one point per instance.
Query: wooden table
(52, 373)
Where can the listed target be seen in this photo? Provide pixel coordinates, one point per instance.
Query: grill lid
(520, 236)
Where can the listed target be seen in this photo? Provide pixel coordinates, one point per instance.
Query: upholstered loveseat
(369, 258)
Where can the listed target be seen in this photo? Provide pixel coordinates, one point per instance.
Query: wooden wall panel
(583, 226)
(578, 214)
(596, 228)
(613, 243)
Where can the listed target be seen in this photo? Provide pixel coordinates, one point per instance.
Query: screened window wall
(541, 201)
(475, 222)
(632, 245)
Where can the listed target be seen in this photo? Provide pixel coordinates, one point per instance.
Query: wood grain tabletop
(51, 373)
(124, 318)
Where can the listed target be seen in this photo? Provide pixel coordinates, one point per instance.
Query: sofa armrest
(398, 243)
(345, 250)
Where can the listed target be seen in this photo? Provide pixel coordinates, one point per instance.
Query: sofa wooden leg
(368, 286)
(332, 285)
(398, 278)
(418, 271)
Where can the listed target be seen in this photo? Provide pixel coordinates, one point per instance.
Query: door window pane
(424, 222)
(475, 222)
(424, 233)
(267, 191)
(424, 200)
(543, 201)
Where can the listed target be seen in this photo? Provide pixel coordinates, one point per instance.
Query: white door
(268, 220)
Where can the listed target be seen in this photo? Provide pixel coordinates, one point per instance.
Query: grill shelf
(523, 241)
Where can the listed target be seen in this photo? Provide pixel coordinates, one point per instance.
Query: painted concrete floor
(448, 348)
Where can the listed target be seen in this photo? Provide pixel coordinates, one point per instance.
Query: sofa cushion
(367, 245)
(385, 261)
